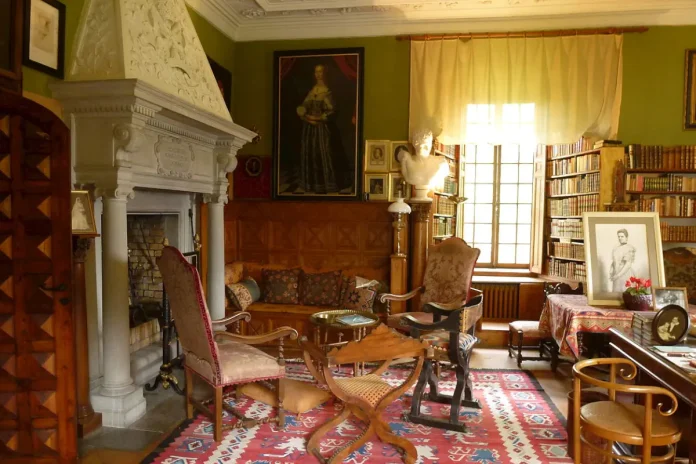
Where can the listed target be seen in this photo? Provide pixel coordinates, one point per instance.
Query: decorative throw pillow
(234, 272)
(360, 299)
(243, 293)
(320, 289)
(282, 286)
(298, 396)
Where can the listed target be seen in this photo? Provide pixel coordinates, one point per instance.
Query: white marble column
(120, 401)
(215, 293)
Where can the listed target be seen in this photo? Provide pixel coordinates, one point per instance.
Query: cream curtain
(537, 90)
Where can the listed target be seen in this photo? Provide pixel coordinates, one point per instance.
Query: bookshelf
(579, 178)
(445, 217)
(663, 180)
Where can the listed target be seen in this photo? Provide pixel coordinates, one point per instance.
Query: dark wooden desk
(664, 373)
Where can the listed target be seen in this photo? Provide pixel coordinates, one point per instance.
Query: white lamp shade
(399, 207)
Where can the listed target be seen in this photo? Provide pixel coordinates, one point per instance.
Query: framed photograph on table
(44, 36)
(317, 124)
(663, 296)
(690, 90)
(671, 325)
(376, 155)
(82, 213)
(377, 186)
(619, 246)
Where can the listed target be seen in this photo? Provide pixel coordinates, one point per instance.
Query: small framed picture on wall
(377, 186)
(44, 36)
(82, 213)
(690, 90)
(376, 156)
(395, 149)
(398, 188)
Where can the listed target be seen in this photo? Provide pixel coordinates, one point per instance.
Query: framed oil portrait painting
(317, 129)
(44, 36)
(224, 80)
(82, 213)
(11, 44)
(619, 246)
(377, 186)
(376, 155)
(690, 90)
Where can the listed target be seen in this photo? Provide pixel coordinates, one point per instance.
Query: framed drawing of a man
(690, 90)
(317, 134)
(619, 246)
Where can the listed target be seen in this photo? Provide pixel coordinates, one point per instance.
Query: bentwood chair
(645, 425)
(221, 359)
(365, 396)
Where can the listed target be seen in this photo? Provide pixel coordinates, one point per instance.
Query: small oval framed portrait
(253, 166)
(671, 325)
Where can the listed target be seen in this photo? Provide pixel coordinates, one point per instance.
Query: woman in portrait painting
(79, 216)
(317, 173)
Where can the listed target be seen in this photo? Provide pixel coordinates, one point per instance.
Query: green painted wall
(385, 97)
(653, 87)
(218, 46)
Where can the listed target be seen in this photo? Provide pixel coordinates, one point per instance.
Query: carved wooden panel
(315, 235)
(37, 367)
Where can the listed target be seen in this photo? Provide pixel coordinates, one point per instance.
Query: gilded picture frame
(82, 213)
(317, 124)
(690, 90)
(636, 251)
(376, 156)
(377, 186)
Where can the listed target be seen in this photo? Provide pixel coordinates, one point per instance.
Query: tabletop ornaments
(422, 170)
(637, 296)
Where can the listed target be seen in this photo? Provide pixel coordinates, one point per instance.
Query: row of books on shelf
(566, 269)
(449, 150)
(568, 185)
(680, 157)
(564, 149)
(667, 206)
(443, 226)
(677, 233)
(566, 250)
(449, 186)
(566, 229)
(668, 183)
(572, 165)
(573, 206)
(445, 206)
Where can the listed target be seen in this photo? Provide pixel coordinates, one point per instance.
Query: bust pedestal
(420, 220)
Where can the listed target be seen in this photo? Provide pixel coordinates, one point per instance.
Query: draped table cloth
(564, 316)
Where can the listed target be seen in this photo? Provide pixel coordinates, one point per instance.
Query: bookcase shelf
(577, 260)
(568, 195)
(580, 153)
(574, 174)
(640, 192)
(444, 213)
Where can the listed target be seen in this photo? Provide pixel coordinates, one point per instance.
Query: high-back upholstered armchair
(680, 270)
(232, 361)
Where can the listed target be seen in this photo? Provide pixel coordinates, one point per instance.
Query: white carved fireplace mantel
(145, 113)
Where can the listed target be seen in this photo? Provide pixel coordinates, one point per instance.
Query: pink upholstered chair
(221, 359)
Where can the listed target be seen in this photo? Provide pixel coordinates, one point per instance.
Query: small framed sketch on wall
(376, 155)
(398, 188)
(690, 90)
(377, 186)
(82, 213)
(395, 149)
(44, 36)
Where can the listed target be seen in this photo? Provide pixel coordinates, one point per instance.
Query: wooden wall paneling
(531, 301)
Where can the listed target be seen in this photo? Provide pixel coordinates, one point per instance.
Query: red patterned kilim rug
(517, 425)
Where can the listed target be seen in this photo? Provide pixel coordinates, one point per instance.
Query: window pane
(484, 193)
(507, 233)
(523, 254)
(484, 213)
(524, 233)
(527, 154)
(508, 214)
(485, 256)
(484, 173)
(509, 154)
(469, 190)
(469, 233)
(483, 233)
(469, 214)
(506, 254)
(508, 173)
(525, 193)
(470, 173)
(485, 153)
(508, 193)
(526, 173)
(524, 214)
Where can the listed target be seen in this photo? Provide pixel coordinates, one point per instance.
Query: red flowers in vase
(637, 296)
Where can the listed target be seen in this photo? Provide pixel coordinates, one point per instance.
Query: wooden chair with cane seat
(629, 424)
(221, 359)
(365, 396)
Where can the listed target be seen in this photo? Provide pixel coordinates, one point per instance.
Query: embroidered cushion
(360, 299)
(298, 397)
(320, 289)
(242, 294)
(234, 272)
(441, 340)
(281, 286)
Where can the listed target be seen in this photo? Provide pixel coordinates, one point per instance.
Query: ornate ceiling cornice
(250, 20)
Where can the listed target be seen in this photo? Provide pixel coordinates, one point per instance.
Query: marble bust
(422, 170)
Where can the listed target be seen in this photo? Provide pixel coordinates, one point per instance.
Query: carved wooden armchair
(221, 359)
(365, 396)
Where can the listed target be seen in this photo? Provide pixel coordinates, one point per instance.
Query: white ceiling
(246, 20)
